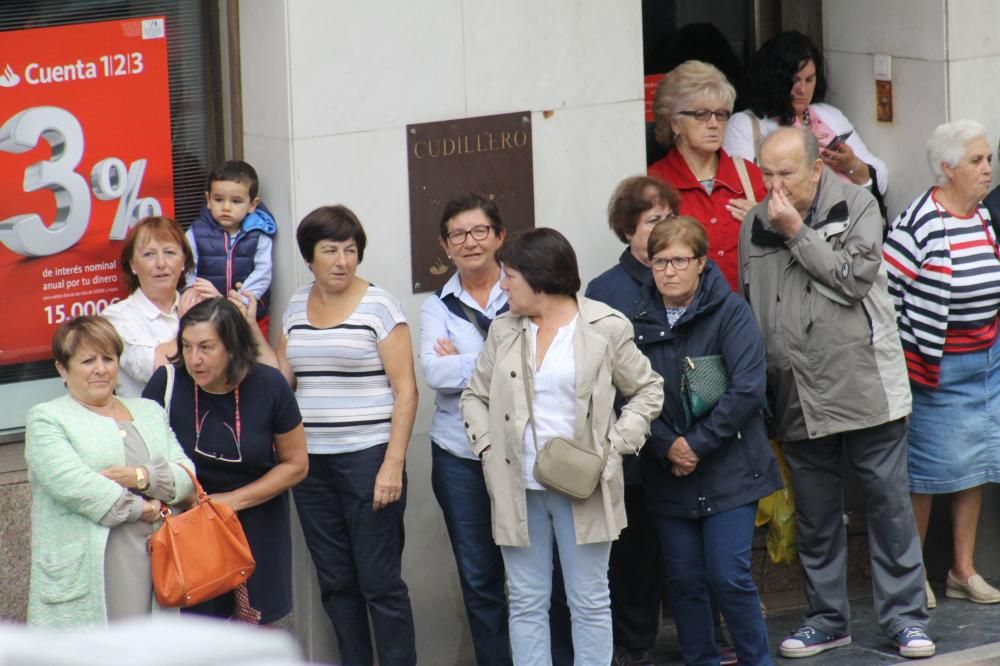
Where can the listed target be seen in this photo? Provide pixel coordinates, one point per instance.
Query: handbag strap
(755, 128)
(527, 386)
(199, 493)
(168, 392)
(741, 171)
(530, 395)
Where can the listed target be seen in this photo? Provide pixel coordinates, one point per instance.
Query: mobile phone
(837, 140)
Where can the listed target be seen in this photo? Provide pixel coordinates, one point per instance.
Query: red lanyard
(197, 421)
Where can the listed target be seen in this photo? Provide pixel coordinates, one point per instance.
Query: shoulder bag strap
(527, 386)
(528, 392)
(168, 392)
(755, 128)
(741, 170)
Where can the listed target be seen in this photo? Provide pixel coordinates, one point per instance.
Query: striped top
(341, 385)
(944, 278)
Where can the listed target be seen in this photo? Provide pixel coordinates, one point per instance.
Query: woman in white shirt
(154, 259)
(787, 88)
(580, 351)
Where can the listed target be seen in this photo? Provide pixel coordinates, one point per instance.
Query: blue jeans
(706, 558)
(461, 491)
(529, 584)
(358, 555)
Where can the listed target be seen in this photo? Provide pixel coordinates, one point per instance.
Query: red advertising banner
(84, 153)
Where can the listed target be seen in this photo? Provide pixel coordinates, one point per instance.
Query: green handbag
(703, 382)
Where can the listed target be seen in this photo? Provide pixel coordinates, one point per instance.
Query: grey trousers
(878, 456)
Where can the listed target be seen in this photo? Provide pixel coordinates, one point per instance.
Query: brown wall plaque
(489, 155)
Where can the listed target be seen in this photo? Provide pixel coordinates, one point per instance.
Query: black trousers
(358, 553)
(635, 576)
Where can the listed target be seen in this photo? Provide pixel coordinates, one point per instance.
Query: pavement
(965, 633)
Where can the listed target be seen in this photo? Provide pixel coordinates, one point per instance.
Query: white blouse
(554, 390)
(142, 327)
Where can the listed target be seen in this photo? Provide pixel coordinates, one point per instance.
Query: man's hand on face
(784, 218)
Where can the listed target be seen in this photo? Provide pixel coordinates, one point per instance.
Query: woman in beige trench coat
(580, 351)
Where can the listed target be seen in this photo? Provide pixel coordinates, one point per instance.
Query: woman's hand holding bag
(199, 554)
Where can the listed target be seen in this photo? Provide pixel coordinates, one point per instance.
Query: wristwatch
(141, 482)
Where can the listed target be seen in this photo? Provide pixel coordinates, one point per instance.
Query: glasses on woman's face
(679, 263)
(702, 115)
(480, 232)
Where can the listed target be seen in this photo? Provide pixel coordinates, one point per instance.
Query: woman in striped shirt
(346, 351)
(944, 277)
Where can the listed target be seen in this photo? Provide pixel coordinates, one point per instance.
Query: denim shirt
(448, 375)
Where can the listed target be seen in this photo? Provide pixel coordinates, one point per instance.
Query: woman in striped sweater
(944, 277)
(345, 349)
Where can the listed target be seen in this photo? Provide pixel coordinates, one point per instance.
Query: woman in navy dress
(238, 421)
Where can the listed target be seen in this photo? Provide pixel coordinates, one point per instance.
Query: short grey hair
(808, 139)
(680, 86)
(948, 144)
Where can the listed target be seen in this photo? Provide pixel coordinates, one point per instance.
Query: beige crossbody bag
(562, 464)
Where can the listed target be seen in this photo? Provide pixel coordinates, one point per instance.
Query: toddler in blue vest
(231, 239)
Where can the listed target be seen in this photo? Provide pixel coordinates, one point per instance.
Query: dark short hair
(162, 229)
(232, 329)
(683, 229)
(86, 330)
(333, 223)
(235, 171)
(772, 70)
(545, 259)
(633, 197)
(466, 202)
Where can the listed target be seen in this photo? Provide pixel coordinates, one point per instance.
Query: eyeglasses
(702, 115)
(232, 455)
(199, 422)
(479, 232)
(652, 222)
(679, 263)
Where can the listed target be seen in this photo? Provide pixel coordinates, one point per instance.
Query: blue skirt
(954, 440)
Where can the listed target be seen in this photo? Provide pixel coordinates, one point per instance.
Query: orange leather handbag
(199, 554)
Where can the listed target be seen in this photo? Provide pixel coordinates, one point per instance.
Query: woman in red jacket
(692, 105)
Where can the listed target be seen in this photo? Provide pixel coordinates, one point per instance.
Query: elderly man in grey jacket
(811, 268)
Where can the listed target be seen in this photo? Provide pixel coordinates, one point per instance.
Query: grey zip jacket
(834, 359)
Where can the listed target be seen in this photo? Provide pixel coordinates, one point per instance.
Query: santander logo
(9, 78)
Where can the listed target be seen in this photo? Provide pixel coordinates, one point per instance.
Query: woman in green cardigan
(100, 469)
